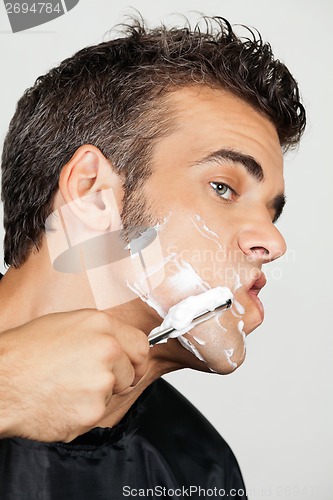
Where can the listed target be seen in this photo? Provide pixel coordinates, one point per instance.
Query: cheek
(189, 238)
(194, 259)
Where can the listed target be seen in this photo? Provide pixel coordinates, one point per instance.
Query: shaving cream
(181, 315)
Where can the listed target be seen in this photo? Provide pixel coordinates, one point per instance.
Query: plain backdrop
(276, 410)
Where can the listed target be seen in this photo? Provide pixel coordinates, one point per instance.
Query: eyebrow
(248, 162)
(252, 166)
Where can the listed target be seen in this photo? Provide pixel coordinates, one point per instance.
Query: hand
(58, 372)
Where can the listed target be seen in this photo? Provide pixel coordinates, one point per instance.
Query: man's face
(216, 188)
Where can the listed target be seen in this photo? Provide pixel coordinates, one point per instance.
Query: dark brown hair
(111, 95)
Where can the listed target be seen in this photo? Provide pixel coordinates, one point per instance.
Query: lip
(254, 289)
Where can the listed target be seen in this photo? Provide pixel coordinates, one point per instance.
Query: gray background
(276, 410)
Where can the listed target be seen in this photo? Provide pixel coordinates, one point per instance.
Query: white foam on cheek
(190, 347)
(157, 306)
(205, 231)
(241, 331)
(185, 279)
(240, 328)
(140, 284)
(138, 290)
(201, 296)
(229, 353)
(238, 306)
(142, 294)
(217, 320)
(199, 341)
(201, 226)
(181, 315)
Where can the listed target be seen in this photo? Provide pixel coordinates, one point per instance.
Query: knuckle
(102, 320)
(109, 348)
(99, 385)
(107, 383)
(96, 320)
(113, 349)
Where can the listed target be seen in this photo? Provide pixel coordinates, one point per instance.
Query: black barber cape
(162, 448)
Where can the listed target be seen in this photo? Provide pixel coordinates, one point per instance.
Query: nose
(262, 242)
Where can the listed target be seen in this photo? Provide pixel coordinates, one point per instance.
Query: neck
(41, 290)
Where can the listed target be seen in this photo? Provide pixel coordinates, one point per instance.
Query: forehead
(209, 119)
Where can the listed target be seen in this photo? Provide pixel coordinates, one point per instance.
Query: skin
(206, 120)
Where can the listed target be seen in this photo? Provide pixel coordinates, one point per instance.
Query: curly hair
(112, 95)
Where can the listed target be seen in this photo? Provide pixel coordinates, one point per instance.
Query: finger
(134, 344)
(123, 371)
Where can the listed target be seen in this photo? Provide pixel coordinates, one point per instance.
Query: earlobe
(87, 184)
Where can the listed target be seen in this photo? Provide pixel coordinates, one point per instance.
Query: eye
(223, 190)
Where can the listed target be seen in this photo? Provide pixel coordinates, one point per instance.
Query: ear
(92, 189)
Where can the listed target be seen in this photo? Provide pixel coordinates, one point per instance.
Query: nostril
(260, 250)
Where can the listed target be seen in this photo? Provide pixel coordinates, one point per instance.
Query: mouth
(253, 290)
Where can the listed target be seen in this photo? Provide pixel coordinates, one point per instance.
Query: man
(176, 130)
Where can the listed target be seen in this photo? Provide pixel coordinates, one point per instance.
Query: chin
(219, 351)
(223, 365)
(228, 365)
